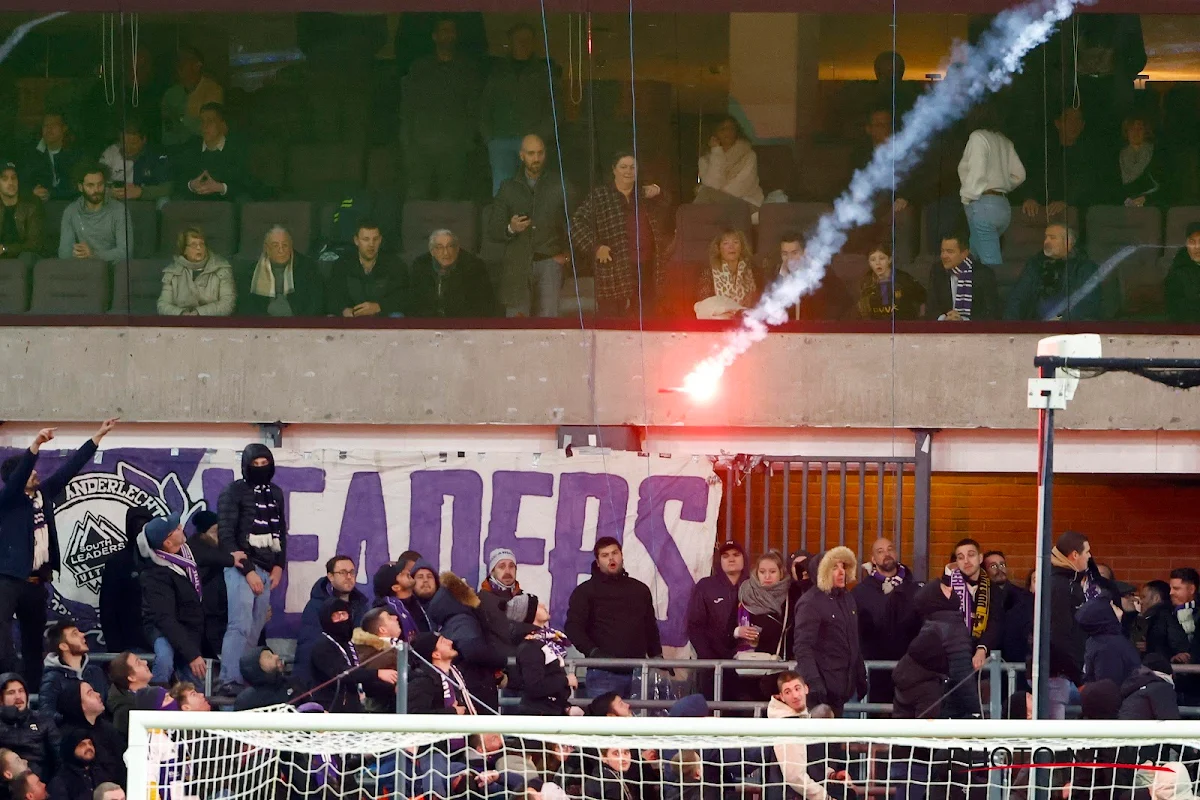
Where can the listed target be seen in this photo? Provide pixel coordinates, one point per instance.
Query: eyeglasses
(343, 572)
(997, 566)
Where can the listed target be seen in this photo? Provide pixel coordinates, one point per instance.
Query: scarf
(734, 283)
(184, 563)
(1186, 614)
(454, 687)
(962, 290)
(262, 282)
(759, 599)
(496, 587)
(554, 639)
(408, 624)
(41, 533)
(1134, 162)
(267, 524)
(889, 584)
(973, 609)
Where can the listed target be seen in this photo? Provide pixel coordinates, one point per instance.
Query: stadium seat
(1026, 236)
(268, 164)
(70, 286)
(14, 286)
(382, 169)
(143, 227)
(214, 218)
(137, 283)
(319, 170)
(775, 219)
(422, 217)
(825, 171)
(54, 215)
(697, 225)
(258, 218)
(851, 269)
(1178, 219)
(1139, 276)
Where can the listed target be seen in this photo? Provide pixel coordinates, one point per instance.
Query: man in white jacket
(792, 703)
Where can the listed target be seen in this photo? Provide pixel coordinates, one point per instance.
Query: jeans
(27, 602)
(164, 666)
(247, 618)
(988, 218)
(545, 285)
(504, 155)
(600, 681)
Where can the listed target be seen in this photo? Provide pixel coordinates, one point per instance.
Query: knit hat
(158, 529)
(154, 698)
(203, 520)
(424, 643)
(521, 608)
(498, 555)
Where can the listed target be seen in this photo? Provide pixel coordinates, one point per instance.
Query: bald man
(887, 618)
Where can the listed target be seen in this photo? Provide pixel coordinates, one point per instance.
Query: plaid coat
(600, 220)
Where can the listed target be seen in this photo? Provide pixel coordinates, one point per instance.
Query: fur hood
(828, 560)
(363, 639)
(460, 590)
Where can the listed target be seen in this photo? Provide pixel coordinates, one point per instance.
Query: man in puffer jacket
(826, 640)
(1108, 654)
(1149, 693)
(19, 729)
(920, 677)
(454, 611)
(263, 670)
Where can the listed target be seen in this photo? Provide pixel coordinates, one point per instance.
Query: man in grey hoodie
(94, 226)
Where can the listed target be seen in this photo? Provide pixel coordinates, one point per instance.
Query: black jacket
(171, 608)
(59, 177)
(1182, 288)
(612, 616)
(1046, 282)
(212, 559)
(230, 166)
(712, 615)
(1018, 621)
(454, 612)
(332, 655)
(1159, 628)
(76, 779)
(539, 678)
(121, 589)
(931, 600)
(235, 510)
(1066, 597)
(263, 689)
(498, 627)
(887, 624)
(920, 677)
(1145, 695)
(21, 732)
(826, 648)
(985, 294)
(110, 744)
(350, 284)
(464, 292)
(1108, 653)
(425, 694)
(308, 299)
(310, 622)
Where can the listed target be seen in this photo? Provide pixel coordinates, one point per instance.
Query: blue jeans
(988, 218)
(504, 155)
(247, 618)
(164, 666)
(600, 681)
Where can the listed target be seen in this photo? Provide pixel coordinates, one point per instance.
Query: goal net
(284, 754)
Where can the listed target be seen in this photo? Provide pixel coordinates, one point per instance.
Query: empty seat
(777, 168)
(850, 269)
(14, 286)
(1026, 235)
(322, 169)
(54, 215)
(422, 217)
(137, 283)
(1140, 276)
(258, 218)
(776, 219)
(1178, 219)
(214, 218)
(268, 164)
(697, 225)
(143, 227)
(70, 286)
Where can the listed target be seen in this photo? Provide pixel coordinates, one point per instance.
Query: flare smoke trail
(975, 71)
(21, 30)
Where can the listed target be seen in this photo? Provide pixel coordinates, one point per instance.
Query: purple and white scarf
(184, 563)
(268, 522)
(41, 533)
(962, 289)
(889, 584)
(408, 625)
(554, 639)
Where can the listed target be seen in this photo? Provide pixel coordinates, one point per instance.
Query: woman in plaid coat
(614, 228)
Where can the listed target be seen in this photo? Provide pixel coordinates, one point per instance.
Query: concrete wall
(546, 377)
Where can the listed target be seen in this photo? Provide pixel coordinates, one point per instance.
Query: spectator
(183, 103)
(435, 686)
(375, 644)
(1157, 629)
(11, 765)
(826, 645)
(830, 300)
(253, 521)
(801, 580)
(1141, 165)
(1100, 699)
(128, 674)
(611, 615)
(212, 560)
(335, 661)
(1051, 280)
(727, 286)
(729, 171)
(368, 284)
(266, 684)
(197, 282)
(921, 676)
(217, 165)
(425, 586)
(1149, 693)
(1080, 170)
(1069, 590)
(878, 129)
(94, 226)
(22, 220)
(498, 588)
(887, 616)
(540, 674)
(792, 698)
(793, 757)
(607, 782)
(188, 697)
(82, 709)
(967, 592)
(339, 581)
(136, 170)
(454, 612)
(516, 101)
(284, 283)
(614, 230)
(528, 217)
(1108, 655)
(28, 786)
(393, 585)
(121, 591)
(50, 168)
(961, 290)
(764, 620)
(449, 281)
(30, 555)
(1184, 582)
(78, 772)
(1017, 603)
(108, 791)
(886, 292)
(959, 697)
(1182, 287)
(66, 665)
(171, 606)
(989, 171)
(609, 704)
(712, 610)
(440, 119)
(20, 732)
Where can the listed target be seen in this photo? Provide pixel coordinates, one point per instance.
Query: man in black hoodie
(79, 771)
(712, 611)
(20, 731)
(611, 615)
(252, 520)
(121, 591)
(1149, 693)
(263, 670)
(334, 654)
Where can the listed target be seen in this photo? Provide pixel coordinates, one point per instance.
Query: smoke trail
(975, 72)
(21, 30)
(1090, 285)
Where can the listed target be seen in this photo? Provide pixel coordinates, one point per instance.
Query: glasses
(997, 566)
(345, 573)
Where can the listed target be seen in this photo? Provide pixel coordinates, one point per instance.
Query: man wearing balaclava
(250, 519)
(334, 662)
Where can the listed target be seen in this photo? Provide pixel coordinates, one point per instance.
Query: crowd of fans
(192, 599)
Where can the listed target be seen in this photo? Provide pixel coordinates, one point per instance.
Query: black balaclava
(340, 632)
(257, 476)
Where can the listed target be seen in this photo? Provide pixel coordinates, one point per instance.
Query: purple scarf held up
(186, 562)
(408, 625)
(958, 585)
(553, 638)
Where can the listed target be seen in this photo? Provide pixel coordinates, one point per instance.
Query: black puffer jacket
(212, 560)
(170, 606)
(77, 779)
(110, 744)
(121, 591)
(1066, 597)
(540, 679)
(332, 655)
(20, 730)
(887, 623)
(454, 612)
(236, 511)
(953, 640)
(612, 616)
(920, 677)
(826, 642)
(263, 688)
(1145, 695)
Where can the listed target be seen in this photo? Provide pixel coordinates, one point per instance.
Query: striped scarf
(184, 563)
(268, 522)
(973, 609)
(554, 639)
(962, 289)
(41, 533)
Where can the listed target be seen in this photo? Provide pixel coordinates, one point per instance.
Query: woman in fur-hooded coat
(825, 643)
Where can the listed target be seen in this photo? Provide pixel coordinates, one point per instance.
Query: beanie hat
(424, 643)
(154, 698)
(521, 608)
(158, 529)
(311, 708)
(384, 579)
(498, 555)
(203, 520)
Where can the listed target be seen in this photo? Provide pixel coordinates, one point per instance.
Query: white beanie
(498, 555)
